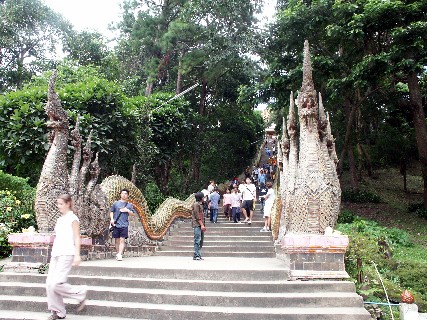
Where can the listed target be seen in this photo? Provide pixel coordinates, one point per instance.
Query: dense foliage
(369, 61)
(16, 208)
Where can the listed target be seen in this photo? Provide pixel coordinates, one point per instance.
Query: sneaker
(197, 258)
(119, 257)
(249, 222)
(82, 304)
(263, 230)
(55, 316)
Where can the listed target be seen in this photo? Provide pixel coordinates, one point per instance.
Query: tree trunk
(133, 179)
(179, 76)
(420, 127)
(367, 158)
(403, 173)
(202, 103)
(353, 173)
(350, 112)
(195, 162)
(149, 87)
(163, 175)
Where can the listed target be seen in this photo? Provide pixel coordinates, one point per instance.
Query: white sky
(93, 15)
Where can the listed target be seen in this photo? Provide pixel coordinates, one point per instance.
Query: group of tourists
(238, 202)
(261, 174)
(239, 199)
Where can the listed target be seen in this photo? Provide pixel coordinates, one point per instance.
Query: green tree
(99, 103)
(89, 48)
(362, 52)
(29, 30)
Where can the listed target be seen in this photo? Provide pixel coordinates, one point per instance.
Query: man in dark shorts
(119, 218)
(248, 195)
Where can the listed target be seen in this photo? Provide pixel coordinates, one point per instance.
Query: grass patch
(401, 261)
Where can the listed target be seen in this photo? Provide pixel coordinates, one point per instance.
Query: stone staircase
(222, 239)
(239, 278)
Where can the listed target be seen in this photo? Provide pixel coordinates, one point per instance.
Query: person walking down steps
(226, 204)
(248, 195)
(119, 216)
(236, 202)
(65, 254)
(268, 206)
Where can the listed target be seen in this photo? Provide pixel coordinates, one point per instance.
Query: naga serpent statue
(88, 199)
(309, 186)
(91, 201)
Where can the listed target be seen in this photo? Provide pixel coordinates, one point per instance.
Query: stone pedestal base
(31, 251)
(408, 311)
(312, 256)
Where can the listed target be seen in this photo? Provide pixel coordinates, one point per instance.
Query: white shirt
(205, 194)
(63, 244)
(235, 199)
(249, 191)
(210, 188)
(241, 187)
(270, 200)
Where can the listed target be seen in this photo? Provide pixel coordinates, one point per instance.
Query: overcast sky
(98, 14)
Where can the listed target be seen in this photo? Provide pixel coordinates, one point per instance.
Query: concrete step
(203, 270)
(224, 233)
(218, 248)
(217, 236)
(240, 254)
(199, 298)
(165, 311)
(235, 284)
(223, 243)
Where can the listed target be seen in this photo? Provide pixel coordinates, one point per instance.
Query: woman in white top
(65, 254)
(268, 206)
(236, 200)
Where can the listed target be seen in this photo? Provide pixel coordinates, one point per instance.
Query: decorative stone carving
(88, 200)
(91, 200)
(310, 189)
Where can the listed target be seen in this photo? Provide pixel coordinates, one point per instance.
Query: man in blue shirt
(214, 199)
(119, 218)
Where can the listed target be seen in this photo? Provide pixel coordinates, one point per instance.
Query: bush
(359, 196)
(13, 183)
(153, 196)
(346, 216)
(422, 213)
(5, 248)
(25, 195)
(14, 213)
(372, 242)
(415, 206)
